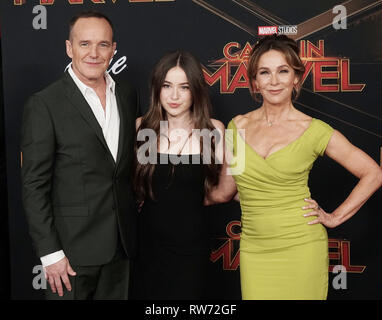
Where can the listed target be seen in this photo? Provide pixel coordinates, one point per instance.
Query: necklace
(184, 144)
(182, 147)
(270, 123)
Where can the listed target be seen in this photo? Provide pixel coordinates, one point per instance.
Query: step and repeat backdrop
(340, 44)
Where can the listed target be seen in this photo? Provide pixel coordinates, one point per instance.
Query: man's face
(91, 48)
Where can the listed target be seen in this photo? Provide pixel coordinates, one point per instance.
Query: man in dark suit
(77, 153)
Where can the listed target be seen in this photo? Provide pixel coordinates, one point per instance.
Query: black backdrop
(4, 236)
(147, 29)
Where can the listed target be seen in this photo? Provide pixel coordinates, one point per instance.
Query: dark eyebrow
(279, 67)
(183, 83)
(103, 41)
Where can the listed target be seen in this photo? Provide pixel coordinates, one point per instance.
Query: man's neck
(96, 84)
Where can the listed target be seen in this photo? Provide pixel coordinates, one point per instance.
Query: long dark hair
(200, 113)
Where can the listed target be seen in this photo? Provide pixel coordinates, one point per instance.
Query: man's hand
(57, 272)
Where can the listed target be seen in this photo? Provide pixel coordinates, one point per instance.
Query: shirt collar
(110, 83)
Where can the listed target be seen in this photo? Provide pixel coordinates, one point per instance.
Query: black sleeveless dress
(174, 235)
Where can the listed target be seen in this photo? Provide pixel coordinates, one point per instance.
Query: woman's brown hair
(200, 113)
(283, 44)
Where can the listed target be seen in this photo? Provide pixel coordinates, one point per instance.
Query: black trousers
(105, 282)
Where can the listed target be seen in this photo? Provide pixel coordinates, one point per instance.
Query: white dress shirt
(108, 120)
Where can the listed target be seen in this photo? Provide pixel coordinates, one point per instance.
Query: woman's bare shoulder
(299, 115)
(218, 124)
(242, 120)
(138, 122)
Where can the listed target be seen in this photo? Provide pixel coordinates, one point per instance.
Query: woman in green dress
(284, 244)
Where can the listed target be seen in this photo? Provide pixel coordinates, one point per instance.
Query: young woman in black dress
(174, 171)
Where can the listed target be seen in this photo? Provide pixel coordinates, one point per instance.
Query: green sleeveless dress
(281, 256)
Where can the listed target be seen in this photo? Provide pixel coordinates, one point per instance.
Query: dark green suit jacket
(76, 197)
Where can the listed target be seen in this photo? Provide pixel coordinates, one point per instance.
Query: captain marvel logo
(229, 254)
(329, 74)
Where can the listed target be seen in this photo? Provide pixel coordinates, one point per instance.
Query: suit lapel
(78, 101)
(122, 122)
(126, 103)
